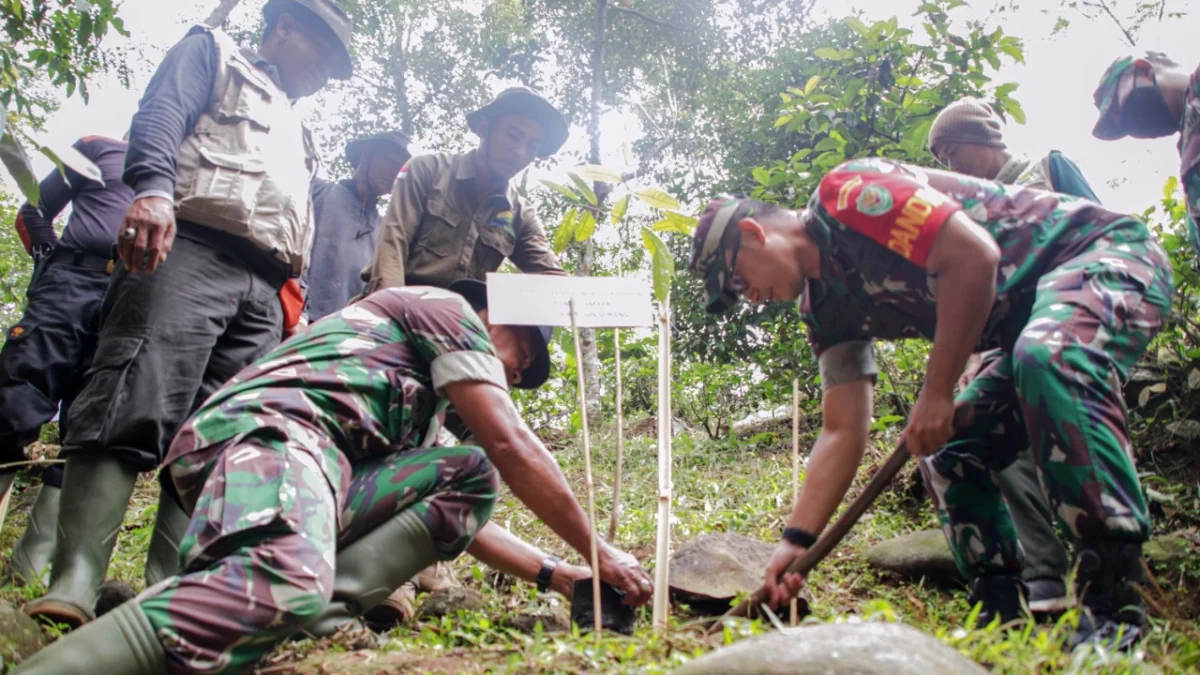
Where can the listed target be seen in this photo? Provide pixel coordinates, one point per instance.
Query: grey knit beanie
(967, 120)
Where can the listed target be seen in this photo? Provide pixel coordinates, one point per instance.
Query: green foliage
(56, 42)
(15, 266)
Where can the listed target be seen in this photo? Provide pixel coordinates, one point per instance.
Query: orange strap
(292, 299)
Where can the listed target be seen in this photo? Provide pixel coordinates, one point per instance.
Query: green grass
(719, 486)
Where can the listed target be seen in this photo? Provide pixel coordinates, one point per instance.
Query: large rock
(20, 635)
(920, 554)
(554, 619)
(714, 568)
(836, 648)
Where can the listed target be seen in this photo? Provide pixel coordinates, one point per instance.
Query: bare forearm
(502, 550)
(965, 297)
(831, 468)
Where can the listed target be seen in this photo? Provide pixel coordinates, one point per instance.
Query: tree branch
(1108, 10)
(654, 152)
(220, 13)
(643, 17)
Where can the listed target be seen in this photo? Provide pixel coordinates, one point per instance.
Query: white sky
(1056, 85)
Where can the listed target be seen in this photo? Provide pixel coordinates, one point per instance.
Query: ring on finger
(128, 233)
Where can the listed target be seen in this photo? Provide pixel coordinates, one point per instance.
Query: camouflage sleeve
(837, 338)
(451, 338)
(1189, 152)
(888, 204)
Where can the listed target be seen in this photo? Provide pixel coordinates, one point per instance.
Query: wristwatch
(547, 571)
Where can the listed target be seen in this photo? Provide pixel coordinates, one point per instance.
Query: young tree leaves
(662, 263)
(68, 157)
(675, 222)
(620, 208)
(657, 198)
(562, 190)
(565, 232)
(599, 173)
(584, 189)
(585, 227)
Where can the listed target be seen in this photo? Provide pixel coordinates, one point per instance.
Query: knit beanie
(967, 120)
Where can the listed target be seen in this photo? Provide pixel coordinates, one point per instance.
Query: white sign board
(544, 300)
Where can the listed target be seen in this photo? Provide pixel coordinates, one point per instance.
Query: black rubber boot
(1113, 614)
(33, 552)
(88, 525)
(170, 524)
(370, 569)
(1002, 596)
(121, 643)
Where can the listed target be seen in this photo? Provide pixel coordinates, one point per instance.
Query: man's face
(764, 267)
(1142, 110)
(382, 167)
(512, 144)
(514, 347)
(304, 57)
(969, 158)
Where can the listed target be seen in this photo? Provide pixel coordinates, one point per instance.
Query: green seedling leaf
(657, 198)
(584, 189)
(675, 222)
(599, 173)
(562, 190)
(565, 232)
(585, 227)
(811, 84)
(663, 264)
(620, 208)
(69, 157)
(19, 167)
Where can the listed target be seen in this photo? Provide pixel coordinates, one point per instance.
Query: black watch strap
(799, 537)
(547, 571)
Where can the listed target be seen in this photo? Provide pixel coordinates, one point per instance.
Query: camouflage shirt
(874, 221)
(370, 378)
(1189, 153)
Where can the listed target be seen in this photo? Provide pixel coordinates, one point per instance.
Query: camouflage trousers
(267, 520)
(1058, 390)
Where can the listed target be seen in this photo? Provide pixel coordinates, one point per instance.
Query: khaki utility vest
(247, 166)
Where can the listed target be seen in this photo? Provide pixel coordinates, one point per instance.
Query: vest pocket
(228, 186)
(436, 234)
(496, 246)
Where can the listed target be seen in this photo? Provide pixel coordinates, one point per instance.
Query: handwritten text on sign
(542, 300)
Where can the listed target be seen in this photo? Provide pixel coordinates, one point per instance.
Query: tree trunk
(221, 13)
(591, 353)
(400, 76)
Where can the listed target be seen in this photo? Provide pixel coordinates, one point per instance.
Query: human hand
(621, 570)
(147, 234)
(780, 585)
(930, 425)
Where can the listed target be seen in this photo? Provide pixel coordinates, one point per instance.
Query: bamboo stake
(663, 548)
(616, 507)
(7, 480)
(795, 608)
(591, 485)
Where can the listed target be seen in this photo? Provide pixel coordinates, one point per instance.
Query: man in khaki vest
(220, 166)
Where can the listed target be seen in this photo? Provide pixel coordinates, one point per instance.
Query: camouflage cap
(1109, 127)
(708, 253)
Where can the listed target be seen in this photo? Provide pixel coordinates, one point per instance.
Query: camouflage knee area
(452, 489)
(258, 559)
(972, 512)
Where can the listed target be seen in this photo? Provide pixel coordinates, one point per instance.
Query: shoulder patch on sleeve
(894, 209)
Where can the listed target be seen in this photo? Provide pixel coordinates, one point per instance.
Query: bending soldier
(1070, 293)
(314, 488)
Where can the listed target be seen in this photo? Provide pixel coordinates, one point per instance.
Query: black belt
(76, 258)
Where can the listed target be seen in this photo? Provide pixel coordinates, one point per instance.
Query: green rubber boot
(369, 569)
(122, 642)
(32, 553)
(88, 525)
(170, 524)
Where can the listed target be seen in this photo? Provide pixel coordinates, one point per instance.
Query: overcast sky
(1056, 85)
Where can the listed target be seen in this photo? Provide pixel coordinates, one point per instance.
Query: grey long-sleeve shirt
(346, 229)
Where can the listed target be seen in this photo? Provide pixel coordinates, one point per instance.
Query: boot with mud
(1003, 597)
(369, 570)
(88, 524)
(170, 524)
(33, 552)
(1113, 614)
(121, 643)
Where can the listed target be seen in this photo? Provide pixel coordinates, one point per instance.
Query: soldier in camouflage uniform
(1070, 292)
(322, 448)
(1154, 97)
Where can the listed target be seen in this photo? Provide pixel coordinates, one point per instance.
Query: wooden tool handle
(963, 416)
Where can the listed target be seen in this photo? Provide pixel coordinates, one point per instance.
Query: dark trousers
(49, 350)
(1045, 554)
(167, 341)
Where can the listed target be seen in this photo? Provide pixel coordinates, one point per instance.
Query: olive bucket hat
(358, 147)
(322, 14)
(525, 102)
(539, 371)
